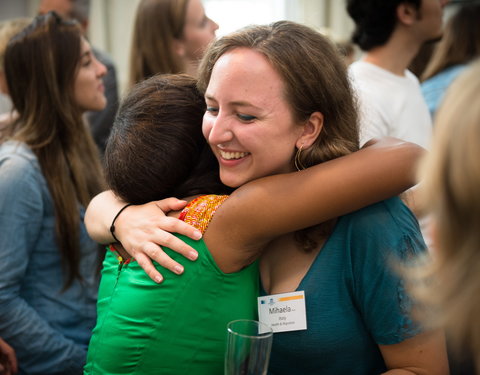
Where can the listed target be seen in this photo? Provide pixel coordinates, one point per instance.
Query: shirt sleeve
(40, 349)
(386, 239)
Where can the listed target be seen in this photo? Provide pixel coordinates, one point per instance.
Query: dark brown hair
(41, 63)
(156, 148)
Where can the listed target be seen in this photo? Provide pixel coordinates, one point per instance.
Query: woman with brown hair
(49, 171)
(460, 45)
(169, 36)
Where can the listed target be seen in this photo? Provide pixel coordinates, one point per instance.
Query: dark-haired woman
(49, 170)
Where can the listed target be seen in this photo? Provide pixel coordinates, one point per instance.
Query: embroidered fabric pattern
(200, 211)
(120, 259)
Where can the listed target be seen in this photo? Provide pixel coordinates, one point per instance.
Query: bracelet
(112, 227)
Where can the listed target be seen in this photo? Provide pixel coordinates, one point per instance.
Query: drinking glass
(249, 343)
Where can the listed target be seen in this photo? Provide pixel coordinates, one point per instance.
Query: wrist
(112, 226)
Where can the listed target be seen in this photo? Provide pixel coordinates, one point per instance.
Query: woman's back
(178, 327)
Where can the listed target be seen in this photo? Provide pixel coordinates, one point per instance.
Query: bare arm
(380, 171)
(136, 224)
(275, 205)
(423, 354)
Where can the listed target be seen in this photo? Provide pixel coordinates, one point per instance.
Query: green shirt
(176, 327)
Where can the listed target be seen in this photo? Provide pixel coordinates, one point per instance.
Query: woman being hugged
(274, 107)
(49, 171)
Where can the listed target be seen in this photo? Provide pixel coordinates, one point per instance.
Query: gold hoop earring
(297, 161)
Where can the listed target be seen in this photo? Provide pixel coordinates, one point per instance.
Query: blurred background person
(49, 171)
(459, 46)
(451, 182)
(8, 29)
(169, 36)
(391, 33)
(100, 121)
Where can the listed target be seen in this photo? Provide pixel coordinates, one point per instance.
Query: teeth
(233, 155)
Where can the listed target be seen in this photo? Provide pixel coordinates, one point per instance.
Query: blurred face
(248, 123)
(88, 86)
(430, 23)
(199, 30)
(62, 7)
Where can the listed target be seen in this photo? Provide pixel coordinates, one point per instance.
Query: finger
(171, 204)
(147, 265)
(176, 244)
(173, 225)
(163, 259)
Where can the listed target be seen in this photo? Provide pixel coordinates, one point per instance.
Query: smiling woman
(253, 137)
(49, 170)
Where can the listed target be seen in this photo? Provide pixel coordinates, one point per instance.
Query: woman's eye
(246, 118)
(87, 62)
(212, 110)
(203, 22)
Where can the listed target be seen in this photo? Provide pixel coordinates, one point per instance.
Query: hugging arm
(280, 204)
(374, 173)
(137, 225)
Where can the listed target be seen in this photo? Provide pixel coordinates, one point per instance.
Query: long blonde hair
(41, 63)
(450, 286)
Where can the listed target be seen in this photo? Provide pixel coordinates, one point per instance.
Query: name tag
(283, 312)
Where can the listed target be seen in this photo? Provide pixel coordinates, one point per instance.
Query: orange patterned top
(199, 212)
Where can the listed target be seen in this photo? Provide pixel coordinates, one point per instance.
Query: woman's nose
(101, 69)
(220, 131)
(214, 25)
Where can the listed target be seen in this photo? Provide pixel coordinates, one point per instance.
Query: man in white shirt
(391, 33)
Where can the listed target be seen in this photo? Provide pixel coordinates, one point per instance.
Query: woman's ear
(311, 130)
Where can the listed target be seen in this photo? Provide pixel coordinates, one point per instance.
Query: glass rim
(268, 332)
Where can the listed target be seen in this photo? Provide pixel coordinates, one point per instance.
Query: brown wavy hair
(315, 79)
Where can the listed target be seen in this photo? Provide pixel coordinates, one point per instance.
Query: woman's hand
(144, 229)
(8, 360)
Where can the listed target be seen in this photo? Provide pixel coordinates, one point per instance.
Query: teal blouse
(354, 298)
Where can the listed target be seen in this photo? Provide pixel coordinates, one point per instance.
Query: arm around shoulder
(269, 207)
